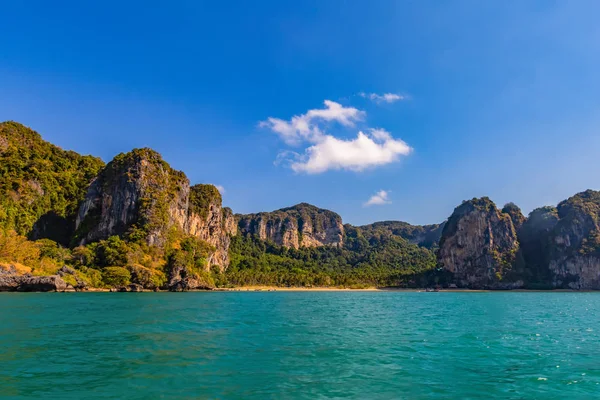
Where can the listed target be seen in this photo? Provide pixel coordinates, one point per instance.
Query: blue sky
(498, 98)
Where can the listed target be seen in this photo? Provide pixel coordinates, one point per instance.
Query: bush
(147, 277)
(116, 276)
(92, 277)
(51, 249)
(112, 251)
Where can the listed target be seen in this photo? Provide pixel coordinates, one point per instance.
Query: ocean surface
(300, 345)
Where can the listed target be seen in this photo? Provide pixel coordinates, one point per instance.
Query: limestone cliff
(209, 221)
(479, 246)
(302, 225)
(137, 193)
(572, 249)
(139, 196)
(535, 246)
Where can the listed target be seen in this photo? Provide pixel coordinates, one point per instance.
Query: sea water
(300, 345)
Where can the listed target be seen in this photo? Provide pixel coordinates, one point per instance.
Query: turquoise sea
(300, 345)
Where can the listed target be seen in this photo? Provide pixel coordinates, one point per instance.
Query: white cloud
(354, 155)
(382, 98)
(380, 134)
(304, 127)
(325, 152)
(378, 199)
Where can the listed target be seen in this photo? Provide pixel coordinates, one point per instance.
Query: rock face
(134, 287)
(479, 246)
(209, 221)
(10, 281)
(535, 246)
(572, 244)
(136, 191)
(302, 225)
(52, 283)
(138, 195)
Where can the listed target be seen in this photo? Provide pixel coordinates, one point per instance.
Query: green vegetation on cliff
(202, 197)
(387, 261)
(41, 185)
(423, 235)
(135, 192)
(139, 222)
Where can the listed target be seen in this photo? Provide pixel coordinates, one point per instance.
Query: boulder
(9, 280)
(189, 283)
(134, 287)
(52, 283)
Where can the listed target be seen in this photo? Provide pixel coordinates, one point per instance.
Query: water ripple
(376, 345)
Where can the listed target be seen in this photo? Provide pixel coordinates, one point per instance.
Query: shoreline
(322, 289)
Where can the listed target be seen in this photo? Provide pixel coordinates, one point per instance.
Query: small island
(73, 223)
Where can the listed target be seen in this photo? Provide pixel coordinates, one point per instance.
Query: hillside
(41, 184)
(136, 221)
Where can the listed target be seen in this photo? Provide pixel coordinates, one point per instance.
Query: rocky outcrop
(51, 283)
(182, 278)
(555, 247)
(10, 281)
(302, 225)
(479, 246)
(209, 221)
(68, 271)
(138, 195)
(134, 287)
(573, 244)
(535, 244)
(189, 283)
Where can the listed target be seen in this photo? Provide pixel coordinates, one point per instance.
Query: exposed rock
(303, 225)
(140, 195)
(51, 283)
(66, 270)
(80, 284)
(9, 280)
(535, 244)
(134, 287)
(479, 245)
(187, 284)
(209, 221)
(137, 192)
(573, 251)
